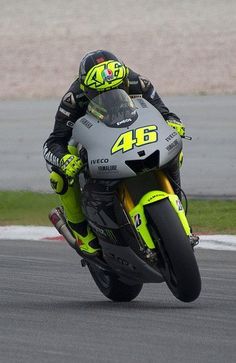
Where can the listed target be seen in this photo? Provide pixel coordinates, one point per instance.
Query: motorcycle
(128, 200)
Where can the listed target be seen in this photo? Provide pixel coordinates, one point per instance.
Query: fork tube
(126, 198)
(164, 182)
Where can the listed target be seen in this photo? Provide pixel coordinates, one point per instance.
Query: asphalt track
(210, 158)
(51, 311)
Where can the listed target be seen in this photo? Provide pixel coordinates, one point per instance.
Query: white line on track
(38, 233)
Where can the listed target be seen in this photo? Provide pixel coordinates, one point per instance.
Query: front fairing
(110, 149)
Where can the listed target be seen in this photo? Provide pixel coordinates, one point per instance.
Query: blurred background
(186, 47)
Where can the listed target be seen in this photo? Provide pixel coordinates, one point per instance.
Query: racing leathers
(73, 106)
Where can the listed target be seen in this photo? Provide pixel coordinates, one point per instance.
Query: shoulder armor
(74, 93)
(69, 100)
(138, 84)
(144, 83)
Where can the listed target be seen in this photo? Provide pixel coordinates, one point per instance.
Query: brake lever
(187, 137)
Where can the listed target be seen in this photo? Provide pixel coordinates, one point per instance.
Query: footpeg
(194, 240)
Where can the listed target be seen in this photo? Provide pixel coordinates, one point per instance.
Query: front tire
(177, 262)
(112, 287)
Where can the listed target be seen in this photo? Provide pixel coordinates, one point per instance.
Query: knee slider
(58, 182)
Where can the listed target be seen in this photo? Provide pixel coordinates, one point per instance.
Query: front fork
(137, 212)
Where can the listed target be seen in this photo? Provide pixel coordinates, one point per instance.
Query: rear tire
(177, 262)
(112, 287)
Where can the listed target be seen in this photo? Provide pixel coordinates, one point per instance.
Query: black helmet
(101, 71)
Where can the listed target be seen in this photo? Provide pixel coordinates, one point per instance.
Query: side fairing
(109, 148)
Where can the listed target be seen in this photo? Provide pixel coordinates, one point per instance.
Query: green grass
(28, 208)
(213, 216)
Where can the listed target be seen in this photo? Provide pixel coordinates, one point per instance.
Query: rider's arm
(69, 110)
(141, 85)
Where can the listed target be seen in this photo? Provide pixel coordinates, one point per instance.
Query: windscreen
(115, 108)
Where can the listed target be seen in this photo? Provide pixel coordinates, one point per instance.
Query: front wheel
(112, 287)
(176, 259)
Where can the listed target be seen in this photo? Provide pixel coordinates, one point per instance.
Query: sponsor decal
(173, 145)
(137, 220)
(70, 124)
(124, 121)
(99, 161)
(155, 196)
(69, 100)
(62, 110)
(107, 74)
(136, 96)
(104, 232)
(171, 136)
(86, 123)
(107, 168)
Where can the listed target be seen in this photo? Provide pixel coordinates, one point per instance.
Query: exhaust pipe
(57, 218)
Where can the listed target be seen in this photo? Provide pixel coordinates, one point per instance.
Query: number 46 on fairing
(138, 137)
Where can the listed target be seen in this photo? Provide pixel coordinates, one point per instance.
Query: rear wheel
(176, 259)
(112, 287)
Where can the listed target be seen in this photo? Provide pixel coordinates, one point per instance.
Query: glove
(177, 125)
(71, 165)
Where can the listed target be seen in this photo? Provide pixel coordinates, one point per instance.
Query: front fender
(138, 218)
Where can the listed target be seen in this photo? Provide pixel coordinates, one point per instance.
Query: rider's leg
(70, 198)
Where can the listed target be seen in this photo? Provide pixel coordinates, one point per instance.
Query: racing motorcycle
(129, 201)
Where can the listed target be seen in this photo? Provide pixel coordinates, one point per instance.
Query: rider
(64, 163)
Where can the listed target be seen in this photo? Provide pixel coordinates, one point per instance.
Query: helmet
(101, 71)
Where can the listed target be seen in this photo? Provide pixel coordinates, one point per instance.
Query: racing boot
(86, 241)
(78, 235)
